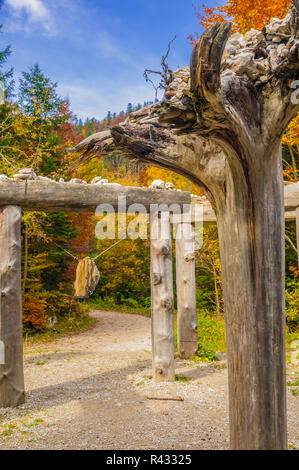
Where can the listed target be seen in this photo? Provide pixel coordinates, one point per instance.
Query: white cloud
(30, 13)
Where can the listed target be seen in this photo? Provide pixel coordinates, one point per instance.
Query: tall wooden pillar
(162, 298)
(297, 233)
(11, 365)
(187, 324)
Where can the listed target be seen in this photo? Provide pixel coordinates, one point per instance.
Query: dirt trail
(89, 392)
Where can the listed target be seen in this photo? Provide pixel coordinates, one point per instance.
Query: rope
(95, 257)
(114, 244)
(63, 249)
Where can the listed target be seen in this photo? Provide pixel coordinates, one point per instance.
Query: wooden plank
(162, 301)
(186, 291)
(37, 195)
(291, 196)
(11, 372)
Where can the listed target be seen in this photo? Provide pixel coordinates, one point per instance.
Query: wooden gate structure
(50, 196)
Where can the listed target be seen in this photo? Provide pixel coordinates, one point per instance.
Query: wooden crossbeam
(37, 195)
(48, 196)
(291, 202)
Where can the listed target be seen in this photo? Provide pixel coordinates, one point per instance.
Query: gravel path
(89, 392)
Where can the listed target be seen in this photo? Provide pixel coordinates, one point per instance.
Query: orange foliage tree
(244, 14)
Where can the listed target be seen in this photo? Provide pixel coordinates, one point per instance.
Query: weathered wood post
(297, 233)
(162, 298)
(186, 291)
(11, 370)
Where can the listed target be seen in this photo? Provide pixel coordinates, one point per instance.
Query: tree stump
(162, 300)
(11, 372)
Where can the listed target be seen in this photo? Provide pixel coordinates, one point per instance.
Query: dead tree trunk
(252, 260)
(222, 128)
(186, 291)
(11, 371)
(162, 298)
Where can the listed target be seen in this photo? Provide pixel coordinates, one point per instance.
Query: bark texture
(222, 129)
(11, 372)
(162, 298)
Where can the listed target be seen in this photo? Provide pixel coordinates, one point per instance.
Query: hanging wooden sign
(87, 278)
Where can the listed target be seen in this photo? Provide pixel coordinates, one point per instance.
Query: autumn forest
(37, 129)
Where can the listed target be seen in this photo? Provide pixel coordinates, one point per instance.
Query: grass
(74, 324)
(211, 336)
(293, 384)
(182, 378)
(110, 304)
(291, 335)
(211, 327)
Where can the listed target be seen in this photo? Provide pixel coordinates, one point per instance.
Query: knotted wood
(187, 327)
(162, 301)
(11, 372)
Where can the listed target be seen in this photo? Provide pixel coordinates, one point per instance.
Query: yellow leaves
(291, 136)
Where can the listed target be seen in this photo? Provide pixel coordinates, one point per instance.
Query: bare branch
(166, 73)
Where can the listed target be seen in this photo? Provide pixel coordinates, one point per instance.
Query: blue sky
(97, 49)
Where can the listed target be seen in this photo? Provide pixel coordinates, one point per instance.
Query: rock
(102, 181)
(44, 178)
(52, 321)
(244, 64)
(157, 184)
(277, 27)
(61, 180)
(113, 185)
(237, 40)
(26, 171)
(25, 174)
(254, 36)
(77, 181)
(170, 186)
(96, 180)
(87, 277)
(170, 94)
(3, 178)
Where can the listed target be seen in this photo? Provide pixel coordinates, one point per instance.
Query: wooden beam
(48, 196)
(291, 201)
(186, 291)
(291, 196)
(11, 370)
(162, 301)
